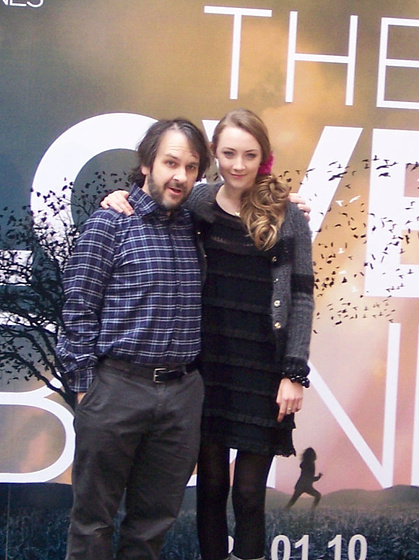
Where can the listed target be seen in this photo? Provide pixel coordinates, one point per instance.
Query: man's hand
(301, 203)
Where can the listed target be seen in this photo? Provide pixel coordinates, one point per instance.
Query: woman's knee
(248, 499)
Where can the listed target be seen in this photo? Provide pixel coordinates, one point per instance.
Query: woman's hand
(301, 203)
(118, 200)
(289, 398)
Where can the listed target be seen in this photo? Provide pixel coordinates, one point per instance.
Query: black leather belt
(156, 374)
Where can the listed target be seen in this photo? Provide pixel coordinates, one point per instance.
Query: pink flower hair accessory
(265, 168)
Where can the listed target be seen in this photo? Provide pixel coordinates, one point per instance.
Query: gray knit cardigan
(292, 278)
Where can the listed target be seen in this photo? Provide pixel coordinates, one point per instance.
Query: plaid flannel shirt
(133, 291)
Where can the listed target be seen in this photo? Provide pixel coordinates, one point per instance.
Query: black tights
(248, 497)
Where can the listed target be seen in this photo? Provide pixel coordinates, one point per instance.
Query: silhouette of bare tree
(33, 255)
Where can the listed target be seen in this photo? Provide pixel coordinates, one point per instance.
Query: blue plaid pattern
(133, 291)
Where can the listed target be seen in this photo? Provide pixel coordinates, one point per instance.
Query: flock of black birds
(339, 259)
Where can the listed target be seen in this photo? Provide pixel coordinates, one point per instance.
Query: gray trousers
(137, 436)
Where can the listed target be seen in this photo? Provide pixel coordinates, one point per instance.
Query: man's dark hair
(147, 149)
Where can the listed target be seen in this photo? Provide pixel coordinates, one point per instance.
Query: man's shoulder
(105, 220)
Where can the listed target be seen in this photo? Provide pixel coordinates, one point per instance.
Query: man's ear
(145, 170)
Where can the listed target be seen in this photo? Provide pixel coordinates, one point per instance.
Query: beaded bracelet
(298, 378)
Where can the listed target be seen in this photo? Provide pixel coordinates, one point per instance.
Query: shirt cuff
(81, 380)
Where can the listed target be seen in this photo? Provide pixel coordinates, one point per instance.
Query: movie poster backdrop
(337, 84)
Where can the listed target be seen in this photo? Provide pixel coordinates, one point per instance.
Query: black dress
(240, 360)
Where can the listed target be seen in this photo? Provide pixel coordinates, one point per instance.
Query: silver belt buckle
(156, 372)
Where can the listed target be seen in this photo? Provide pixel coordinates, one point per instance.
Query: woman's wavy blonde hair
(262, 207)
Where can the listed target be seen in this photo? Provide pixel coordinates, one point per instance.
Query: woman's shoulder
(205, 190)
(293, 210)
(202, 195)
(295, 217)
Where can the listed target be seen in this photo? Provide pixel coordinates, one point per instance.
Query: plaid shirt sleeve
(85, 280)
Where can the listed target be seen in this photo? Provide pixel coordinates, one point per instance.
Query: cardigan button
(278, 325)
(274, 259)
(277, 303)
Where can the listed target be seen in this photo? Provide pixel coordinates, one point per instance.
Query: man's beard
(158, 195)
